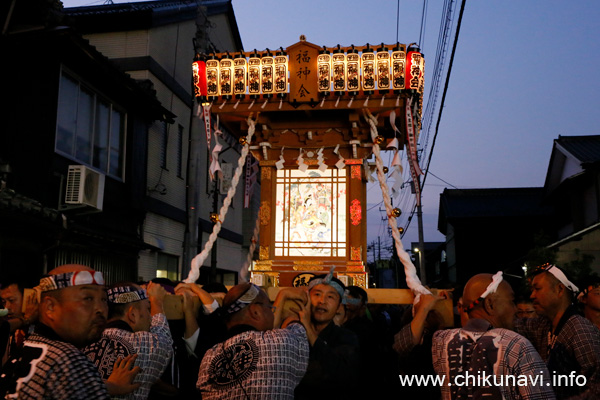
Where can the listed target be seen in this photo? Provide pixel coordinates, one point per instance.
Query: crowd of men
(75, 337)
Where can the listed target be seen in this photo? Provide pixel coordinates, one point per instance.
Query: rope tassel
(412, 280)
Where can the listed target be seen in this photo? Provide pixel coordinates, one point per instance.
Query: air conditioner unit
(84, 187)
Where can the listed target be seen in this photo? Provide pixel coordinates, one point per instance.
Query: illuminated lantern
(353, 71)
(212, 78)
(398, 68)
(368, 71)
(239, 76)
(226, 73)
(339, 71)
(422, 77)
(254, 75)
(414, 73)
(324, 72)
(199, 73)
(266, 81)
(383, 69)
(281, 74)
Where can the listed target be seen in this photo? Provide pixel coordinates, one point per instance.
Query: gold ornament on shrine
(243, 140)
(378, 139)
(396, 212)
(385, 170)
(214, 218)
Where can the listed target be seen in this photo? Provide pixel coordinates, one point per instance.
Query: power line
(437, 126)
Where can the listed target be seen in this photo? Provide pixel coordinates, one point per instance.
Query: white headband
(492, 287)
(558, 274)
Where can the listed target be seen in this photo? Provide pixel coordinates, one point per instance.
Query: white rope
(201, 257)
(412, 280)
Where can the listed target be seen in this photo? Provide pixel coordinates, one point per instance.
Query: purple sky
(524, 73)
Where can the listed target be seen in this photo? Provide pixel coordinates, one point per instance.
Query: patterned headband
(125, 294)
(246, 299)
(492, 287)
(61, 281)
(328, 281)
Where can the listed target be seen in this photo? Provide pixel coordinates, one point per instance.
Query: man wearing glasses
(590, 298)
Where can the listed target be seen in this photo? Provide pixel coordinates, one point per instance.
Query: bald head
(475, 288)
(63, 269)
(244, 305)
(498, 308)
(74, 306)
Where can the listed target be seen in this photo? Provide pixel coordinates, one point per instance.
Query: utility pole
(213, 252)
(190, 240)
(421, 240)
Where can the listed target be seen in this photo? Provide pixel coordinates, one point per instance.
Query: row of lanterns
(383, 70)
(339, 70)
(229, 77)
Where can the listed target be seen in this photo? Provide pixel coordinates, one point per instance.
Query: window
(90, 129)
(168, 267)
(180, 152)
(310, 216)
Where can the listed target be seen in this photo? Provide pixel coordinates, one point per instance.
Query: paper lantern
(212, 78)
(398, 68)
(324, 72)
(383, 70)
(281, 74)
(199, 74)
(368, 70)
(225, 74)
(254, 75)
(353, 71)
(240, 65)
(339, 71)
(267, 66)
(413, 69)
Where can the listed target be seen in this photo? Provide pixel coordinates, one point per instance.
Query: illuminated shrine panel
(310, 216)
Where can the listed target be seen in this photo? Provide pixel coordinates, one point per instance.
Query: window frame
(97, 98)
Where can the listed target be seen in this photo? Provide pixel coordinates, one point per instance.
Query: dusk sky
(524, 73)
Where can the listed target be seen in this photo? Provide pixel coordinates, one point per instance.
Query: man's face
(353, 307)
(267, 317)
(592, 299)
(525, 310)
(505, 306)
(80, 314)
(14, 300)
(144, 317)
(544, 294)
(325, 301)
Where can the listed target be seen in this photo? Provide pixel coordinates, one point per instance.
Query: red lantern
(199, 72)
(414, 68)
